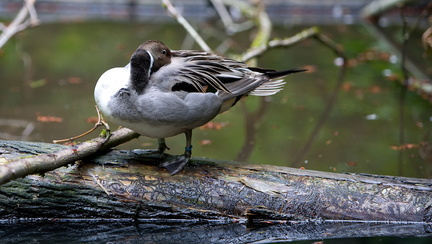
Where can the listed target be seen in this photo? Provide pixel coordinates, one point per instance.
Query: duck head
(147, 59)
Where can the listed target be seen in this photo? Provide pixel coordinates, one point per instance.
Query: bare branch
(255, 52)
(19, 23)
(49, 161)
(181, 20)
(32, 11)
(230, 26)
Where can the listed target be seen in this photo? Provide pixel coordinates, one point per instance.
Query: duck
(162, 93)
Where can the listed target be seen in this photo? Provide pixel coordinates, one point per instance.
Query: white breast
(109, 84)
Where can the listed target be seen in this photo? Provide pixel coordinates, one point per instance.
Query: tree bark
(130, 185)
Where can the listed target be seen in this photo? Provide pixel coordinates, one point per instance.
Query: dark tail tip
(276, 74)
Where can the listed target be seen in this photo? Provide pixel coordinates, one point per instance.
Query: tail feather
(267, 85)
(268, 88)
(277, 74)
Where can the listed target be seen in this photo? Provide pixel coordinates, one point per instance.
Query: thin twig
(100, 122)
(181, 20)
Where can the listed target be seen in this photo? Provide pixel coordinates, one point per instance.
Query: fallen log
(129, 185)
(123, 194)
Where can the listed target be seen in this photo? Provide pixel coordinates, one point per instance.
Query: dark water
(48, 74)
(100, 232)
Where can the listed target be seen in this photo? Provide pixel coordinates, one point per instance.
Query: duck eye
(164, 51)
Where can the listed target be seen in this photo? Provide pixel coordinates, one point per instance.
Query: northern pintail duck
(163, 93)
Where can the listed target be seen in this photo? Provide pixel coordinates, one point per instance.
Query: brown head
(160, 53)
(147, 59)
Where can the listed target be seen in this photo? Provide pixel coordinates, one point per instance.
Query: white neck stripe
(151, 64)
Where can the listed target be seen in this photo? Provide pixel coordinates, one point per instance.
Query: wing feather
(228, 77)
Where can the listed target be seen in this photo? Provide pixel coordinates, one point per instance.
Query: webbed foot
(176, 164)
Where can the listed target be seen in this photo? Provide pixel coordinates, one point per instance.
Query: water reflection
(50, 72)
(100, 231)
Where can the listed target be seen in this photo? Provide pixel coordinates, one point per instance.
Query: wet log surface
(126, 190)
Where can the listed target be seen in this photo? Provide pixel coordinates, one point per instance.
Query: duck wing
(208, 72)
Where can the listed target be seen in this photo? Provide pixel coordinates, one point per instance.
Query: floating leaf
(205, 142)
(92, 120)
(214, 125)
(46, 119)
(404, 147)
(375, 89)
(351, 163)
(74, 80)
(346, 86)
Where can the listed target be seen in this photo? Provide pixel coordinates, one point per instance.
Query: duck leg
(162, 145)
(179, 162)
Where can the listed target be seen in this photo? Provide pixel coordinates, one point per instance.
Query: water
(51, 70)
(48, 74)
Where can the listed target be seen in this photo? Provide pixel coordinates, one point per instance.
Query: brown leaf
(351, 163)
(46, 119)
(404, 146)
(74, 80)
(92, 120)
(214, 125)
(205, 142)
(375, 89)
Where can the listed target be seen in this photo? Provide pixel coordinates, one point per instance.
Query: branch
(45, 162)
(181, 20)
(19, 23)
(230, 26)
(264, 25)
(376, 8)
(256, 52)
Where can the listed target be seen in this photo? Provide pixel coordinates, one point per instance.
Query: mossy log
(127, 185)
